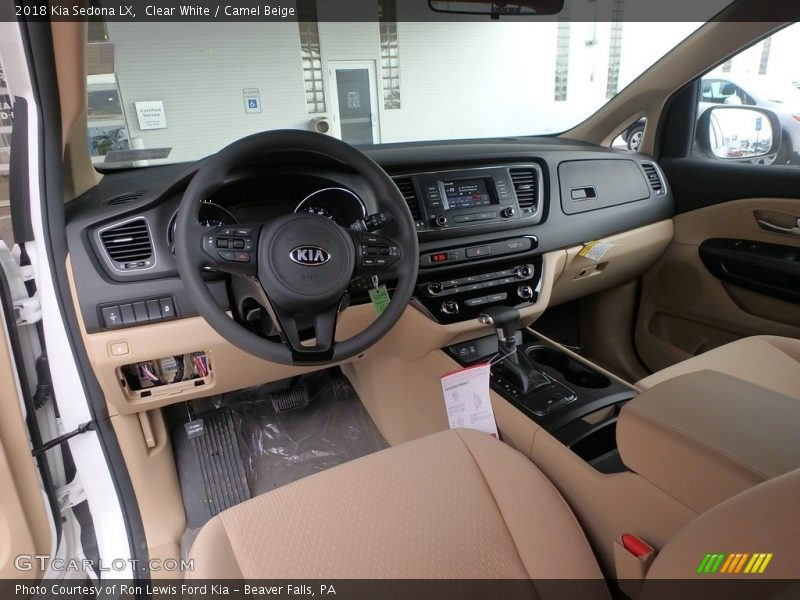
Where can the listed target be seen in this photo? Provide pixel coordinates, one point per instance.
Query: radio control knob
(523, 272)
(525, 292)
(440, 220)
(434, 287)
(508, 212)
(450, 307)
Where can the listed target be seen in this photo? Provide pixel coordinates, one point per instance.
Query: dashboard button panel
(138, 312)
(468, 253)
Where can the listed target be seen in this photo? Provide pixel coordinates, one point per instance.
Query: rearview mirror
(522, 8)
(739, 133)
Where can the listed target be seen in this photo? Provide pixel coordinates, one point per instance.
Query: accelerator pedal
(291, 398)
(213, 438)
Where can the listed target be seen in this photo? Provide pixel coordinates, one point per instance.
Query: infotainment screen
(467, 193)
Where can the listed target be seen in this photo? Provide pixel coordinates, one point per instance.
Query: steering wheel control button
(227, 255)
(242, 257)
(376, 251)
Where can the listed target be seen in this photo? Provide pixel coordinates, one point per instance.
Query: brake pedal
(292, 398)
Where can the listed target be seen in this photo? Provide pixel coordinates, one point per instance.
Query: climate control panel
(465, 296)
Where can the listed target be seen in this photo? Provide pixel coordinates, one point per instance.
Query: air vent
(524, 181)
(406, 186)
(653, 177)
(129, 245)
(124, 198)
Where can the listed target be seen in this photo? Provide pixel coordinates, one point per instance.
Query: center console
(566, 395)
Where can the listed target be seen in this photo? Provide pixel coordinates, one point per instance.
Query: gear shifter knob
(505, 320)
(513, 365)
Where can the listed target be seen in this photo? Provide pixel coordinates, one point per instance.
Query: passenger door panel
(706, 290)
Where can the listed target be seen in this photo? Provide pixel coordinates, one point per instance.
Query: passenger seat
(770, 362)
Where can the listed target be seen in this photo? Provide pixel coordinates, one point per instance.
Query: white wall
(199, 71)
(458, 79)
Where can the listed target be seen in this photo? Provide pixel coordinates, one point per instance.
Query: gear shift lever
(514, 365)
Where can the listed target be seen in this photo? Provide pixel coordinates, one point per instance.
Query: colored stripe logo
(733, 564)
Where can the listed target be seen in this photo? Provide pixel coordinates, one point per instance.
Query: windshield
(173, 92)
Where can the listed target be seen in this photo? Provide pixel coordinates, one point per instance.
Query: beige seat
(767, 361)
(457, 504)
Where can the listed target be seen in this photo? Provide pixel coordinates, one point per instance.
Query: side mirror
(739, 133)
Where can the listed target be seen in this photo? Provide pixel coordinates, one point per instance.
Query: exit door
(355, 102)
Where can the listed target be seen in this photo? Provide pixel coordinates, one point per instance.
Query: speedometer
(335, 203)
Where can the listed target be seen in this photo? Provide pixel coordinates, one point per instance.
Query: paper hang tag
(195, 428)
(466, 397)
(380, 298)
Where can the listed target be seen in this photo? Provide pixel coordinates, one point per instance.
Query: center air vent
(525, 186)
(129, 245)
(406, 187)
(653, 178)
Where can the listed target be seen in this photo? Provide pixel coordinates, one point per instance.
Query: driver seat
(457, 504)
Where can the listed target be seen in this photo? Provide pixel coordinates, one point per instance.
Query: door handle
(766, 225)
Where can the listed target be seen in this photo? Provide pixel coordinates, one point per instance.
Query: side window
(6, 115)
(749, 106)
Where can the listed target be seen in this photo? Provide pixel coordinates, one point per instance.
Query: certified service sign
(151, 115)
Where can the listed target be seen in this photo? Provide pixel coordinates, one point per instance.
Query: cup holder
(573, 371)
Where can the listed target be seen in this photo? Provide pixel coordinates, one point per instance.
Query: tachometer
(211, 215)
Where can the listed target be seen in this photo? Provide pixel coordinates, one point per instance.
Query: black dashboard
(485, 212)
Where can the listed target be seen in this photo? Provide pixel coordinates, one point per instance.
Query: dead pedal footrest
(220, 460)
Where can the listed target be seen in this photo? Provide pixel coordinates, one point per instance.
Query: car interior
(268, 328)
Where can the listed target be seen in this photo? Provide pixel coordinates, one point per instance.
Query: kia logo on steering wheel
(310, 256)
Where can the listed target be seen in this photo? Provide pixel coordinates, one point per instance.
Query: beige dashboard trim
(233, 369)
(631, 253)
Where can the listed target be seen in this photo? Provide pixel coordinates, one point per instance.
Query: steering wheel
(302, 263)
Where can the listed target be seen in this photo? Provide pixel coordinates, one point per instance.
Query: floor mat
(273, 448)
(279, 448)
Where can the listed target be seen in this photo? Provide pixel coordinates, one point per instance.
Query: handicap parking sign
(252, 100)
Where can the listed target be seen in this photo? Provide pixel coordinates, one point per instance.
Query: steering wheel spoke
(375, 253)
(232, 249)
(324, 324)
